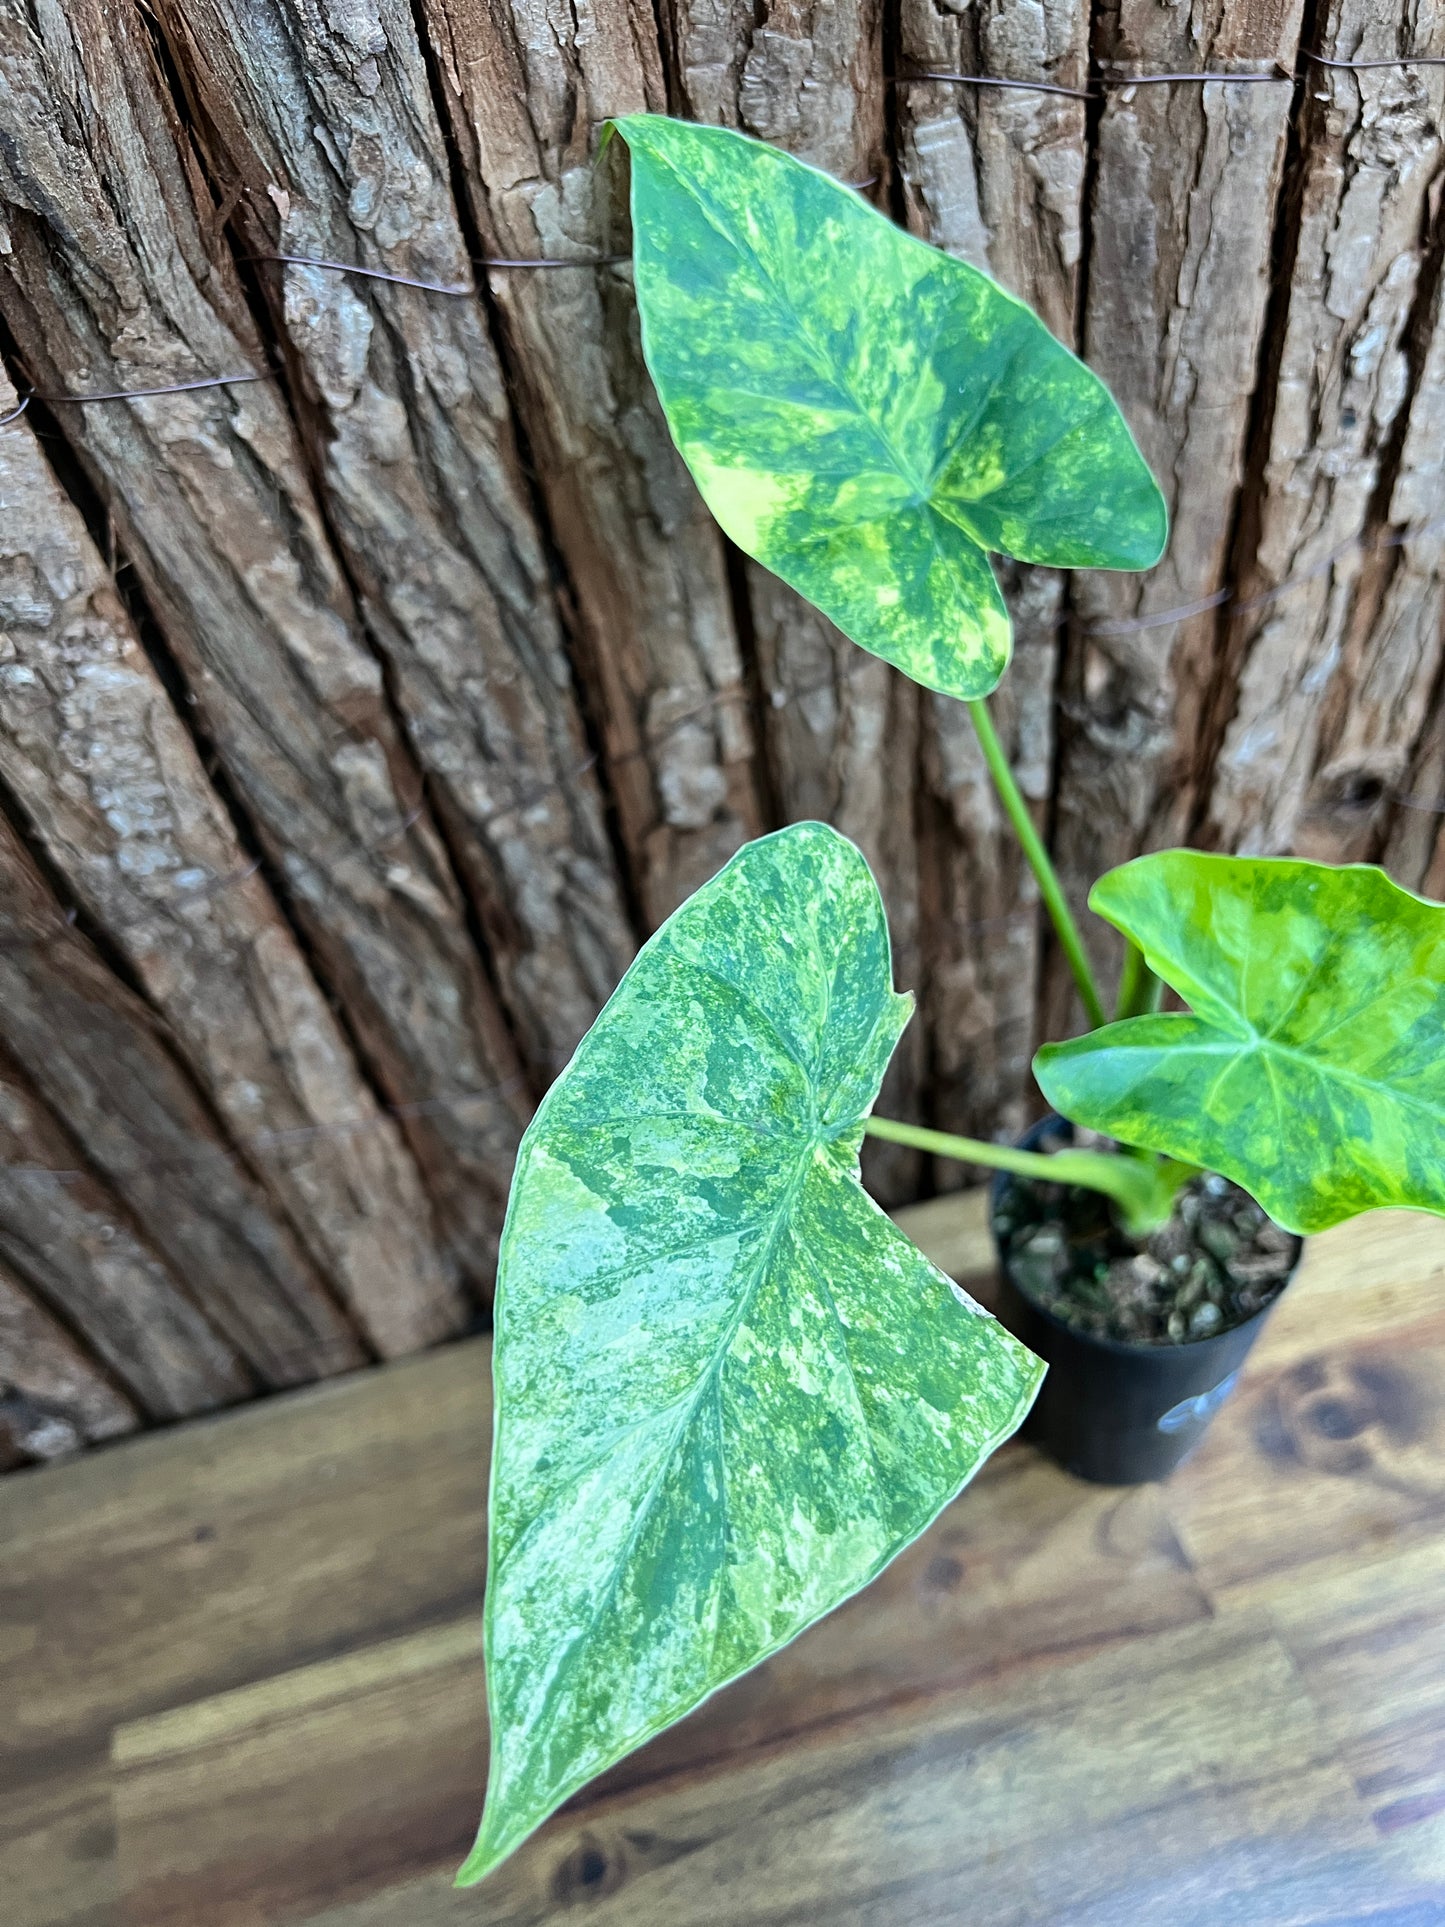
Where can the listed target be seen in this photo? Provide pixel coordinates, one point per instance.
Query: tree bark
(111, 277)
(1414, 851)
(1377, 719)
(323, 119)
(527, 89)
(77, 1250)
(1181, 226)
(114, 791)
(53, 1398)
(994, 176)
(1335, 663)
(103, 1062)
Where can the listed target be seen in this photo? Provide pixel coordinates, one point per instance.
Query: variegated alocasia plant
(728, 1390)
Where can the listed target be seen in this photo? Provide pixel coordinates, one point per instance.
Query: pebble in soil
(1218, 1261)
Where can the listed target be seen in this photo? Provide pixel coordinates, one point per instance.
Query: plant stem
(1011, 796)
(1139, 988)
(1142, 1189)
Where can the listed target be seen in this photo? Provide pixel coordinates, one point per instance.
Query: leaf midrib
(707, 1379)
(1322, 1068)
(816, 353)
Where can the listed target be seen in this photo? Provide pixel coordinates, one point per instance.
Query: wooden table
(243, 1677)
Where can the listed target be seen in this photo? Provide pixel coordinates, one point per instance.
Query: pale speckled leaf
(866, 416)
(1310, 1067)
(728, 1390)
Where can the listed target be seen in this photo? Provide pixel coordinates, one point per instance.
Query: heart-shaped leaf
(728, 1390)
(1311, 1065)
(866, 416)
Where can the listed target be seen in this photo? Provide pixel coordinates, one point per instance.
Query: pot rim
(1121, 1347)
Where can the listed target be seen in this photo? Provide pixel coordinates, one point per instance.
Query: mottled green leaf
(863, 414)
(1310, 1067)
(728, 1390)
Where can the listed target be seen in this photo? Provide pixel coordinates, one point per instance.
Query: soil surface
(1217, 1262)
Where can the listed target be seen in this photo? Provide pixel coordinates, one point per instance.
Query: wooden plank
(1333, 1451)
(53, 1396)
(103, 1062)
(74, 1246)
(338, 1780)
(215, 1805)
(1183, 1773)
(115, 793)
(526, 89)
(329, 134)
(111, 278)
(185, 1563)
(1368, 1639)
(1334, 674)
(284, 1604)
(996, 177)
(57, 1849)
(1180, 226)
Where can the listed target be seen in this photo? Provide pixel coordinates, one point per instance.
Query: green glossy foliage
(1310, 1067)
(728, 1390)
(865, 415)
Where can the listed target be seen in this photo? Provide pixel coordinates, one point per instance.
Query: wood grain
(1334, 1452)
(527, 89)
(863, 1821)
(1214, 1701)
(291, 1529)
(115, 793)
(324, 122)
(58, 1848)
(112, 277)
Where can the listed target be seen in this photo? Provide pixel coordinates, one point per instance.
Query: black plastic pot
(1115, 1413)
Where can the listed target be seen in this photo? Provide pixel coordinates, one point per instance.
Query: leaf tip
(487, 1854)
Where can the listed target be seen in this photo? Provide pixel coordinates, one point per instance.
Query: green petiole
(1017, 810)
(1142, 1188)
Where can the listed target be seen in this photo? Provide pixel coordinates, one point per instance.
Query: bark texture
(1335, 667)
(75, 1246)
(1414, 850)
(53, 1398)
(104, 1063)
(115, 793)
(112, 276)
(1181, 226)
(323, 119)
(527, 88)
